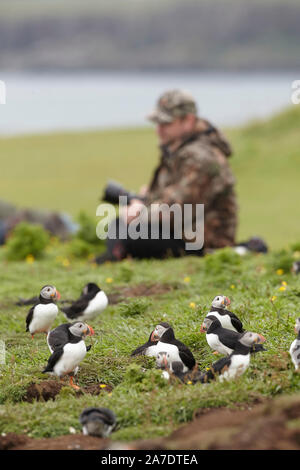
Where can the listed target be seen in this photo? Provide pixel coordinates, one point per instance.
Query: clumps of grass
(221, 260)
(78, 248)
(125, 273)
(144, 381)
(280, 260)
(134, 307)
(27, 240)
(85, 242)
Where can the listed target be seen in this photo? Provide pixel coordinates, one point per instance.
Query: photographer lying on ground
(193, 170)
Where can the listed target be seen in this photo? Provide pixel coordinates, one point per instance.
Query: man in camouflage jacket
(193, 169)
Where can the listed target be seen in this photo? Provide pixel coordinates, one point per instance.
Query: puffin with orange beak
(228, 319)
(223, 340)
(66, 342)
(41, 315)
(234, 365)
(148, 348)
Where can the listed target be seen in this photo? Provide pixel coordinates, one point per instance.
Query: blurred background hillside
(88, 72)
(149, 34)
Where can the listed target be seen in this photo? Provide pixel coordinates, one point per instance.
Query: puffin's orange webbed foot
(73, 385)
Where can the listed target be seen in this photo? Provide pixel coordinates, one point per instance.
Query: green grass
(68, 172)
(140, 399)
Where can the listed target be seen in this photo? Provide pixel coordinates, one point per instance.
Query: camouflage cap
(172, 105)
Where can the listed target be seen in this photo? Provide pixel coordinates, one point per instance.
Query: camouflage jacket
(195, 170)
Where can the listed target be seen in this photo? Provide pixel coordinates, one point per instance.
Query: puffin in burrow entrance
(97, 421)
(41, 315)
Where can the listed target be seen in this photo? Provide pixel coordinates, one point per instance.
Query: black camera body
(114, 190)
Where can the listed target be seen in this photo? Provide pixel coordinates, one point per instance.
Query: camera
(114, 190)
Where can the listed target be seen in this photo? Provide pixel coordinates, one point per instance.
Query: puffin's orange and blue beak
(89, 331)
(154, 337)
(203, 328)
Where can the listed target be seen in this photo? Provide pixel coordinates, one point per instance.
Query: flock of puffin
(224, 331)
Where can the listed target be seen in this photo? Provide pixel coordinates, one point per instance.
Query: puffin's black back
(105, 414)
(61, 335)
(236, 322)
(185, 353)
(77, 307)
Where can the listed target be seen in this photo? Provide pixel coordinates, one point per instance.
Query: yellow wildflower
(284, 283)
(274, 297)
(109, 280)
(29, 259)
(232, 286)
(102, 386)
(187, 279)
(282, 288)
(279, 272)
(65, 262)
(192, 305)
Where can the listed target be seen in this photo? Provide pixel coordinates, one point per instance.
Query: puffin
(66, 342)
(147, 348)
(98, 422)
(237, 362)
(176, 349)
(222, 340)
(41, 315)
(91, 302)
(228, 319)
(295, 346)
(296, 267)
(176, 368)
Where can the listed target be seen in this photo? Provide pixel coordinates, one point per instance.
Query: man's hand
(128, 213)
(143, 190)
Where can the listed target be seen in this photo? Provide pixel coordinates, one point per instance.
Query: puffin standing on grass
(222, 340)
(148, 348)
(228, 319)
(295, 346)
(66, 342)
(97, 421)
(92, 301)
(41, 315)
(237, 362)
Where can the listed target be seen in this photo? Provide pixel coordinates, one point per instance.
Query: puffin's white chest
(151, 351)
(173, 354)
(215, 344)
(239, 363)
(295, 353)
(96, 306)
(43, 317)
(72, 356)
(224, 320)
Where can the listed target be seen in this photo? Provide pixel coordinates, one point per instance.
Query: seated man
(193, 169)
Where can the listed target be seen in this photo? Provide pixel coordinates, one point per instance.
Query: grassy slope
(141, 401)
(69, 171)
